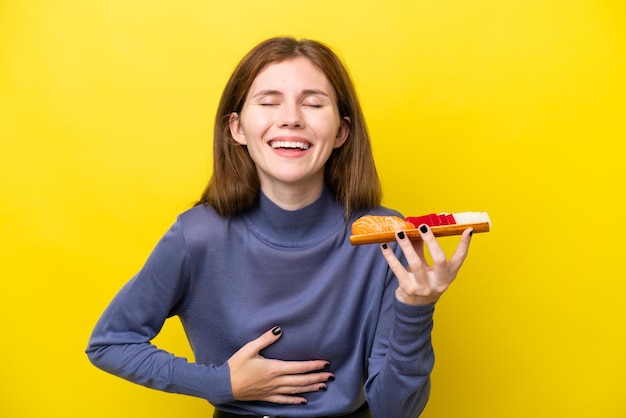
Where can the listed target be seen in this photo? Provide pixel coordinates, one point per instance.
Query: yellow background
(513, 107)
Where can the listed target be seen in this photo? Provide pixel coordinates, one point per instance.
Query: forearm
(145, 364)
(401, 386)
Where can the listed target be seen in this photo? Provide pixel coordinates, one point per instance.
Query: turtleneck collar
(295, 228)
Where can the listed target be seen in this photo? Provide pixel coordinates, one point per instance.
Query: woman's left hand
(419, 283)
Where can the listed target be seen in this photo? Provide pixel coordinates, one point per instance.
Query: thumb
(266, 339)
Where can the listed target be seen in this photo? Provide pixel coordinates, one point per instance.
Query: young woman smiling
(285, 317)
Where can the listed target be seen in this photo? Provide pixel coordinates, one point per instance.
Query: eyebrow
(305, 92)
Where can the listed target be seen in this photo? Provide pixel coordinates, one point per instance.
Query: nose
(291, 116)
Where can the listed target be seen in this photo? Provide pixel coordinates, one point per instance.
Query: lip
(290, 143)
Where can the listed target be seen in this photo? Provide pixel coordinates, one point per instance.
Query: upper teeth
(287, 144)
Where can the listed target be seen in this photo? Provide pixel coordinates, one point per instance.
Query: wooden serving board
(414, 234)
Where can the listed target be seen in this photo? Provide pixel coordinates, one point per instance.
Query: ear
(343, 132)
(236, 130)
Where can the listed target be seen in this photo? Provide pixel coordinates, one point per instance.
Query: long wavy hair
(350, 172)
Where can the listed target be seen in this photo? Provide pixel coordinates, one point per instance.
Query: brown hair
(350, 172)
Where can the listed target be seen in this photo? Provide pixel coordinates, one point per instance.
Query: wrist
(416, 299)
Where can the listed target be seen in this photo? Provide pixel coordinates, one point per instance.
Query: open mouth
(290, 145)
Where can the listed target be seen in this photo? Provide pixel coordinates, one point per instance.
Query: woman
(284, 316)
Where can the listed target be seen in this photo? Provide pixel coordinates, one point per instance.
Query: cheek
(255, 125)
(322, 121)
(329, 128)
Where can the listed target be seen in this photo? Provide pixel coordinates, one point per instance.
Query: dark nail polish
(323, 388)
(331, 379)
(401, 234)
(326, 366)
(384, 246)
(424, 229)
(303, 403)
(471, 232)
(277, 330)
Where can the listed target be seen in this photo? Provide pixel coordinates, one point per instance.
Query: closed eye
(267, 98)
(314, 101)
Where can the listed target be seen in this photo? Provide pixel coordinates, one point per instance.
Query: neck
(293, 197)
(300, 227)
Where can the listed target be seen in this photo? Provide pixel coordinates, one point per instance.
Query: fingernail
(277, 330)
(331, 379)
(327, 365)
(401, 234)
(303, 403)
(424, 229)
(323, 387)
(384, 246)
(471, 232)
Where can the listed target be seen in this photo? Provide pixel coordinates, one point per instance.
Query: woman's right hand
(256, 378)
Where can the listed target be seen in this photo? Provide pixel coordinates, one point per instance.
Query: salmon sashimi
(369, 224)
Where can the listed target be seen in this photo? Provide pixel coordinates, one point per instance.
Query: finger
(266, 339)
(459, 256)
(291, 367)
(405, 277)
(306, 371)
(413, 286)
(415, 263)
(286, 383)
(437, 255)
(286, 399)
(394, 264)
(295, 384)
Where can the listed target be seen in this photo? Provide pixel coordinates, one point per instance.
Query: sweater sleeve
(121, 340)
(402, 359)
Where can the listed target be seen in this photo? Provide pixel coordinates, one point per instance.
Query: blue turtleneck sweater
(232, 279)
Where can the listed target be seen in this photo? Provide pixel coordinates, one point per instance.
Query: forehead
(293, 74)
